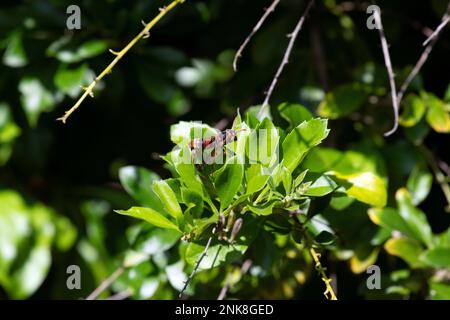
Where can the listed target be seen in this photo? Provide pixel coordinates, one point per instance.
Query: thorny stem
(293, 36)
(197, 265)
(254, 31)
(145, 33)
(329, 292)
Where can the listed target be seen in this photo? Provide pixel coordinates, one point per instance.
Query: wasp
(212, 145)
(219, 140)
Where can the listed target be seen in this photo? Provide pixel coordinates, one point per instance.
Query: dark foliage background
(72, 169)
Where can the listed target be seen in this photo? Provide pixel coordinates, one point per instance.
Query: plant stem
(106, 283)
(89, 91)
(293, 36)
(329, 292)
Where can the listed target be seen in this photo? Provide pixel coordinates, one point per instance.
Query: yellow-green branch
(329, 292)
(145, 33)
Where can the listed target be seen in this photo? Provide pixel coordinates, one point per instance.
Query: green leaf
(155, 240)
(413, 111)
(301, 139)
(187, 131)
(264, 209)
(228, 181)
(255, 177)
(35, 99)
(414, 218)
(263, 144)
(321, 185)
(295, 114)
(343, 101)
(191, 197)
(216, 256)
(390, 219)
(437, 117)
(365, 187)
(168, 199)
(437, 257)
(439, 291)
(138, 181)
(184, 166)
(325, 238)
(151, 216)
(15, 55)
(70, 81)
(405, 248)
(86, 50)
(362, 260)
(419, 184)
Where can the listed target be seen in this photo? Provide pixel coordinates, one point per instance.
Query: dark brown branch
(254, 31)
(423, 58)
(293, 36)
(197, 265)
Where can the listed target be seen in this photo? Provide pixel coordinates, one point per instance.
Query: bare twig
(388, 63)
(438, 174)
(121, 295)
(423, 58)
(437, 31)
(254, 31)
(197, 265)
(244, 269)
(293, 36)
(145, 33)
(106, 283)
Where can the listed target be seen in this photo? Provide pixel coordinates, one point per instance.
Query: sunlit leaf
(151, 216)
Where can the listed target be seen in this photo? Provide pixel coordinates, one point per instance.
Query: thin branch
(329, 292)
(388, 63)
(121, 295)
(106, 283)
(293, 36)
(244, 269)
(145, 33)
(254, 31)
(423, 58)
(438, 174)
(437, 31)
(197, 265)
